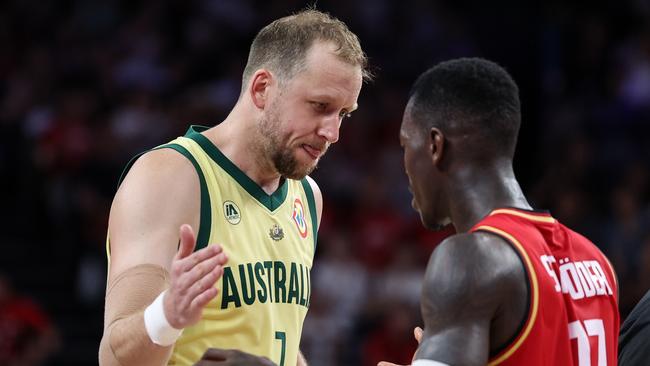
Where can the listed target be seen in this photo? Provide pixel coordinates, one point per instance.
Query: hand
(216, 356)
(193, 276)
(417, 333)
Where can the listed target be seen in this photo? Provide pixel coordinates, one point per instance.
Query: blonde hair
(282, 45)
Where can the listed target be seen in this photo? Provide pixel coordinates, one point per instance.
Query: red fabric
(579, 299)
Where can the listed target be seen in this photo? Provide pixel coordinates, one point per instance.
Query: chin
(300, 172)
(436, 224)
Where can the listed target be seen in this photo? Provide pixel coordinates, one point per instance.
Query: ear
(436, 145)
(260, 84)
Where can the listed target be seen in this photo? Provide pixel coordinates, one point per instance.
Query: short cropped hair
(469, 95)
(282, 45)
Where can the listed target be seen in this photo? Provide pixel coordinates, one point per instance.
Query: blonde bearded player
(242, 184)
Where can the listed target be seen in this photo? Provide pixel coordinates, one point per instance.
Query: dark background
(85, 85)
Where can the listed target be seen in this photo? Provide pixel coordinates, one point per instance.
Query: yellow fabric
(272, 319)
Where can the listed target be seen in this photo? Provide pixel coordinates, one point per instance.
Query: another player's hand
(193, 276)
(417, 333)
(231, 357)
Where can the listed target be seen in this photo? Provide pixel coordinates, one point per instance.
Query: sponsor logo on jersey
(298, 217)
(276, 233)
(231, 212)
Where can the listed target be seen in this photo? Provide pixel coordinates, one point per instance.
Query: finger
(384, 363)
(195, 274)
(204, 283)
(267, 361)
(216, 354)
(188, 241)
(202, 299)
(417, 332)
(188, 264)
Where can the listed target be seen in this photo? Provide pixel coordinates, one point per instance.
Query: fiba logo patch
(298, 217)
(231, 212)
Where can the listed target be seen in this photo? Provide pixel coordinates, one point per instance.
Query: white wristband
(428, 363)
(158, 328)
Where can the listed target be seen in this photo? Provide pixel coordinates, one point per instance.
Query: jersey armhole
(312, 209)
(205, 214)
(506, 350)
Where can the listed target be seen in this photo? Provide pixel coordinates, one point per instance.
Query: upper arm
(466, 283)
(318, 197)
(159, 194)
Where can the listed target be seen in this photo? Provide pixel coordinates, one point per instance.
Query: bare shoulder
(470, 279)
(468, 276)
(160, 192)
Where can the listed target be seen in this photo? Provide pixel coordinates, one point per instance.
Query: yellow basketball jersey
(270, 241)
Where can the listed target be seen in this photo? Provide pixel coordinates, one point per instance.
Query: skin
(300, 119)
(221, 357)
(474, 291)
(278, 128)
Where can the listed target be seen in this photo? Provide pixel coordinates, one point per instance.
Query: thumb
(187, 241)
(417, 332)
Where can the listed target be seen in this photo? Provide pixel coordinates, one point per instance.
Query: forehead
(408, 126)
(325, 73)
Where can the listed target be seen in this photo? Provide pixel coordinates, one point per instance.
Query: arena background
(86, 84)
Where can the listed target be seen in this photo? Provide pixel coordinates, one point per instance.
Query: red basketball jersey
(573, 313)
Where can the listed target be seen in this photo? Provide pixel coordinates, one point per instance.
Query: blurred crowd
(87, 84)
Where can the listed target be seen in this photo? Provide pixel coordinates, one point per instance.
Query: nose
(329, 128)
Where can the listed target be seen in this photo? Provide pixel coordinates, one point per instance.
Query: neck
(475, 192)
(238, 139)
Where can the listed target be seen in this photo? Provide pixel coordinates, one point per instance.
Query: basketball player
(212, 236)
(514, 286)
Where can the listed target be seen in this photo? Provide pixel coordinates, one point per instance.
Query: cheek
(408, 162)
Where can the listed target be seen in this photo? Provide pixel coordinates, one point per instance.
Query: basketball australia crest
(231, 212)
(276, 233)
(298, 217)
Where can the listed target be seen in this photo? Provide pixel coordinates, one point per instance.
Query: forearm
(126, 343)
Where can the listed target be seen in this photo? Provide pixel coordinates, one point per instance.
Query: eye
(319, 106)
(344, 114)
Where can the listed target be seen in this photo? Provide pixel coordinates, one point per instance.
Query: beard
(277, 149)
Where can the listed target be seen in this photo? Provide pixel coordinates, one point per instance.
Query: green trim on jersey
(312, 208)
(271, 202)
(206, 212)
(128, 167)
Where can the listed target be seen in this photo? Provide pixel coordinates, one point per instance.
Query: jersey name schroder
(579, 279)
